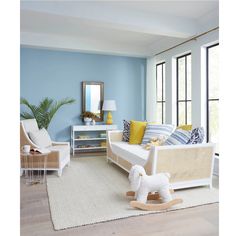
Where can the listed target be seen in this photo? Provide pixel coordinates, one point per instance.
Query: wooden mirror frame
(84, 83)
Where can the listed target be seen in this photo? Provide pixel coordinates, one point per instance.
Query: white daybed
(188, 165)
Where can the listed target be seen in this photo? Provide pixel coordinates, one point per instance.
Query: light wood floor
(35, 220)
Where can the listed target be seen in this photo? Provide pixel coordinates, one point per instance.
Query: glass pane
(189, 78)
(181, 113)
(214, 122)
(181, 78)
(164, 81)
(164, 113)
(189, 113)
(93, 99)
(159, 113)
(159, 83)
(213, 70)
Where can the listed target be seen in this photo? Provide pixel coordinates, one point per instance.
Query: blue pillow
(197, 136)
(157, 131)
(179, 136)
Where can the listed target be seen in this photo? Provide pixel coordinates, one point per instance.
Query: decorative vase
(87, 120)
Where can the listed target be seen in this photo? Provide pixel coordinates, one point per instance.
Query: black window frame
(177, 88)
(207, 92)
(162, 101)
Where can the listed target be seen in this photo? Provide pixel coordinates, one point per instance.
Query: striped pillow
(180, 136)
(157, 131)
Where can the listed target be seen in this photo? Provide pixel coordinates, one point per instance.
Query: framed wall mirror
(93, 97)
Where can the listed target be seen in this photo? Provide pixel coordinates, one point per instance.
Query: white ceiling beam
(118, 18)
(59, 42)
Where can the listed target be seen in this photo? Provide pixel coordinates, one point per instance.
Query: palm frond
(32, 107)
(45, 111)
(45, 104)
(26, 115)
(58, 105)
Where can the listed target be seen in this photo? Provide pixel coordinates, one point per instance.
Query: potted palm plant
(45, 111)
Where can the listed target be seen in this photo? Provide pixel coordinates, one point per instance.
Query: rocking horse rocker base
(153, 206)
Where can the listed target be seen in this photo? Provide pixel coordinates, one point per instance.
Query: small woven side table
(34, 167)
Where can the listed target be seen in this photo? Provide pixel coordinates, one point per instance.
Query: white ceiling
(133, 28)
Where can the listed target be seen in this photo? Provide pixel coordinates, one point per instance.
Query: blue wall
(58, 74)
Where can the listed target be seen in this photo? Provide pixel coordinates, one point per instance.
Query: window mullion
(186, 85)
(177, 92)
(162, 109)
(161, 66)
(211, 130)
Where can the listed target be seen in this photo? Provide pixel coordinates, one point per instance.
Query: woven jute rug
(92, 191)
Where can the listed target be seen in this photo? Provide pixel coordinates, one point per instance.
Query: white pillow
(41, 138)
(30, 125)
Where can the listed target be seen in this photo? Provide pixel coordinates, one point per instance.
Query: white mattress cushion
(63, 150)
(135, 154)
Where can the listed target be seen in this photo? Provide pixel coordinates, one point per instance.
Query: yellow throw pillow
(185, 127)
(137, 129)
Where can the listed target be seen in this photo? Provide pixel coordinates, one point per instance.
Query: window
(160, 92)
(213, 95)
(184, 95)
